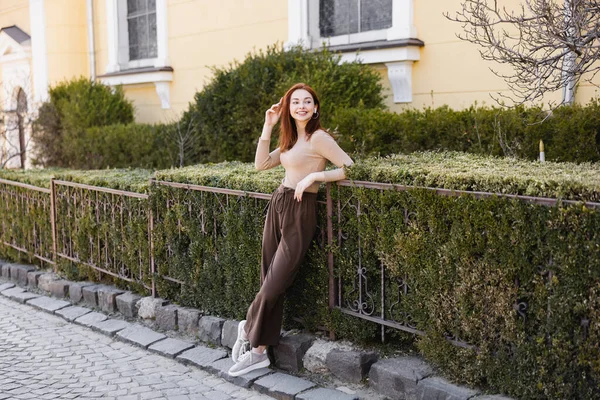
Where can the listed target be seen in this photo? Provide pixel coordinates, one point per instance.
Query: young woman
(304, 149)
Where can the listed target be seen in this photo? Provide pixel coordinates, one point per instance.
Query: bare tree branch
(550, 45)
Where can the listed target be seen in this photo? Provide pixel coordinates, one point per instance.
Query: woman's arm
(328, 148)
(263, 159)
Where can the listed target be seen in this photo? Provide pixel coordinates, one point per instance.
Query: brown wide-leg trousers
(288, 233)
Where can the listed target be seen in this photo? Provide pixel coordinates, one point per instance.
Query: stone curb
(215, 361)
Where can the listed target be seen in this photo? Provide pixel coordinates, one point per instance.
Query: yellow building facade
(161, 51)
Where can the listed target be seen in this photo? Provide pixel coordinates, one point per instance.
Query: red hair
(288, 131)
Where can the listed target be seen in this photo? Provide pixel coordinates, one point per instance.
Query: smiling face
(302, 105)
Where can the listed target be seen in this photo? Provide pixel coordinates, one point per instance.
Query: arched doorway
(22, 125)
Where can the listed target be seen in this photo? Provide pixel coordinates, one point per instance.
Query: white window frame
(303, 29)
(118, 52)
(118, 38)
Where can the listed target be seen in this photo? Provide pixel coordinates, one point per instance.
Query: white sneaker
(250, 361)
(240, 345)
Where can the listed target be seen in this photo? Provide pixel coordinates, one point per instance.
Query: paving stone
(315, 357)
(48, 304)
(6, 286)
(59, 288)
(170, 347)
(90, 295)
(325, 394)
(492, 397)
(5, 271)
(33, 278)
(222, 366)
(147, 306)
(282, 386)
(140, 335)
(110, 326)
(76, 291)
(201, 356)
(107, 298)
(188, 319)
(18, 273)
(351, 366)
(73, 312)
(398, 377)
(291, 349)
(166, 317)
(90, 318)
(45, 279)
(126, 304)
(229, 333)
(20, 295)
(440, 389)
(209, 329)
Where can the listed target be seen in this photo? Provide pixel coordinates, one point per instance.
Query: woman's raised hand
(273, 113)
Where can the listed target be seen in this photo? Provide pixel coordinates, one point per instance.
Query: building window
(141, 29)
(343, 17)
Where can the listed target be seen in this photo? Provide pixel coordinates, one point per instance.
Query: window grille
(141, 27)
(343, 17)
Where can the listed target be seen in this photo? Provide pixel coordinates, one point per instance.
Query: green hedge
(571, 133)
(519, 282)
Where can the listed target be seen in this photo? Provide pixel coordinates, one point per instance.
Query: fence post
(53, 223)
(330, 252)
(150, 238)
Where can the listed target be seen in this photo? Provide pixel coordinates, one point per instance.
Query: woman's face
(302, 105)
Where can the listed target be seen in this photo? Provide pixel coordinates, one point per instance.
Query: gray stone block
(187, 320)
(147, 306)
(170, 347)
(90, 318)
(492, 397)
(229, 333)
(5, 268)
(325, 394)
(76, 291)
(436, 388)
(201, 356)
(22, 273)
(282, 386)
(3, 261)
(351, 366)
(107, 298)
(6, 286)
(18, 294)
(45, 279)
(166, 317)
(18, 273)
(314, 359)
(291, 349)
(110, 326)
(90, 295)
(140, 335)
(397, 378)
(72, 313)
(209, 329)
(33, 278)
(126, 304)
(222, 366)
(48, 304)
(59, 289)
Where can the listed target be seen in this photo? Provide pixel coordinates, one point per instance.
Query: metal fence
(92, 226)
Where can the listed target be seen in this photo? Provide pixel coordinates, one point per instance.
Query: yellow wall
(66, 39)
(15, 12)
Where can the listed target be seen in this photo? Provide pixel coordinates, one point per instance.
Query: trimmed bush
(74, 106)
(228, 113)
(571, 133)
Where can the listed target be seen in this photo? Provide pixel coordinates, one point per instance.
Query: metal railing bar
(380, 321)
(212, 189)
(546, 201)
(172, 280)
(103, 189)
(25, 186)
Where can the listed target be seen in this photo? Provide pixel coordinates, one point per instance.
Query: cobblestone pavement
(44, 357)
